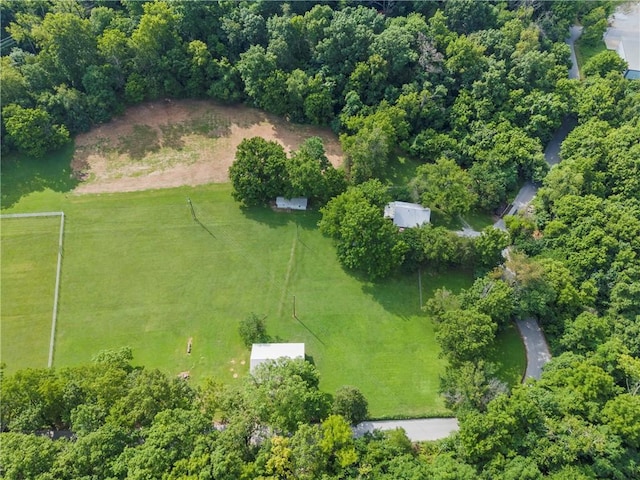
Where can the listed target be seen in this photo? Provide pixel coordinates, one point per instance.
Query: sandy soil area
(172, 143)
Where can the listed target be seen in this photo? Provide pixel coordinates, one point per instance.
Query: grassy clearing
(585, 51)
(509, 355)
(479, 220)
(139, 271)
(28, 261)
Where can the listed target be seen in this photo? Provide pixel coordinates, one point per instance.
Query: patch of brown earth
(172, 143)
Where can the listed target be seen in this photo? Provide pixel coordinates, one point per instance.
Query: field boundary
(54, 316)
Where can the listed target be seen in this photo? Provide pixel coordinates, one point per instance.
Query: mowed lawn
(28, 259)
(139, 271)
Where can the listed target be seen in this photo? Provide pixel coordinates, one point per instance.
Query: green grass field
(28, 260)
(139, 271)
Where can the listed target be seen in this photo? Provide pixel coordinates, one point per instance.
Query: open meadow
(139, 271)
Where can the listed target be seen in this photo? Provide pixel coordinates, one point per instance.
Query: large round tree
(259, 172)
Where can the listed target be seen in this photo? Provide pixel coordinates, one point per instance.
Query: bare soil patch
(172, 143)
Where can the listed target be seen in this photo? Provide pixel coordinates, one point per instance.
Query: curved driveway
(423, 429)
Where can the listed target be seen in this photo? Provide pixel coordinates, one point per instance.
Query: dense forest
(472, 92)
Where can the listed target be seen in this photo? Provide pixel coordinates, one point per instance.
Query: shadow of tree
(24, 175)
(306, 220)
(400, 294)
(508, 354)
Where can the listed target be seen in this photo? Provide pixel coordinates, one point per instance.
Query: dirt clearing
(172, 143)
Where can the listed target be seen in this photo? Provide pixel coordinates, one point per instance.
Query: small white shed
(407, 215)
(261, 352)
(296, 203)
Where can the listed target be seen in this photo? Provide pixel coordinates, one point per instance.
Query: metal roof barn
(296, 203)
(261, 352)
(407, 215)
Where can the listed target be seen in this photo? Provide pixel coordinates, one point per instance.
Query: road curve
(535, 344)
(538, 354)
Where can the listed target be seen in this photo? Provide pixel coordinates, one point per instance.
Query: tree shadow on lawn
(400, 294)
(507, 352)
(275, 219)
(22, 175)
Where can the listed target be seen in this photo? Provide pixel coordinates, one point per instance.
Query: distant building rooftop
(623, 34)
(261, 352)
(407, 215)
(296, 203)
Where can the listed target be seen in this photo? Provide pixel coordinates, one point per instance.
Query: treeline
(120, 421)
(478, 84)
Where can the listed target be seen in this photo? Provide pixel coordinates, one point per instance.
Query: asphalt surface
(574, 33)
(536, 346)
(418, 430)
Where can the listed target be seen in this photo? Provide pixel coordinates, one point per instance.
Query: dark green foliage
(258, 173)
(603, 63)
(253, 330)
(465, 335)
(365, 240)
(32, 130)
(480, 84)
(351, 404)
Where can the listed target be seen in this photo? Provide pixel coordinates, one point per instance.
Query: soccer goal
(56, 293)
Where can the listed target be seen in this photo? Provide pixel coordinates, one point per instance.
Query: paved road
(574, 33)
(418, 430)
(536, 346)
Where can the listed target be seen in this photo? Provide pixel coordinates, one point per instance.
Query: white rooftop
(623, 35)
(295, 203)
(261, 352)
(407, 215)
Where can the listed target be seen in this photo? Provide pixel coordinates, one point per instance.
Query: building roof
(623, 35)
(407, 215)
(296, 203)
(632, 75)
(261, 352)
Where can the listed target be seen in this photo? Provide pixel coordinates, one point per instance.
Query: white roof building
(623, 35)
(296, 203)
(261, 352)
(407, 215)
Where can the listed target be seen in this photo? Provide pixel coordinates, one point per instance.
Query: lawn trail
(287, 276)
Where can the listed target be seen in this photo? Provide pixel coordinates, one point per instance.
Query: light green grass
(28, 260)
(139, 271)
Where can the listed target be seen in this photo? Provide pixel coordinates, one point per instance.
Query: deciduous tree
(259, 173)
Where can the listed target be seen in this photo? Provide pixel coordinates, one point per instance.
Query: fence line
(54, 316)
(37, 214)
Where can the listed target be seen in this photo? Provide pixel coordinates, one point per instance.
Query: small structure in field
(296, 203)
(261, 352)
(407, 215)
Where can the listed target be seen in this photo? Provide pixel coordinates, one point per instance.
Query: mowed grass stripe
(139, 271)
(28, 259)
